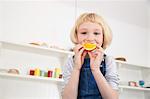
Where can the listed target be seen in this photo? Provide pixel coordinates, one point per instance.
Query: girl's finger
(81, 50)
(100, 48)
(91, 55)
(96, 53)
(83, 55)
(77, 48)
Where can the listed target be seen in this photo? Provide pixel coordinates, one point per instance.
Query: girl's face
(91, 33)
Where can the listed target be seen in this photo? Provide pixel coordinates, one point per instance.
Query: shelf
(133, 88)
(131, 65)
(35, 49)
(30, 78)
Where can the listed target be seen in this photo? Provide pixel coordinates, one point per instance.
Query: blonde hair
(94, 18)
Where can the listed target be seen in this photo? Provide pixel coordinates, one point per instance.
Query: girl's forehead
(90, 25)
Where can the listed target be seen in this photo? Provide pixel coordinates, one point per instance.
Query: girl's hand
(79, 56)
(96, 57)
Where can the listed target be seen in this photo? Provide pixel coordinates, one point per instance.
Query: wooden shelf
(134, 88)
(35, 49)
(30, 78)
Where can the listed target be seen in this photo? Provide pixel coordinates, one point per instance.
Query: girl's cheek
(82, 42)
(79, 41)
(99, 44)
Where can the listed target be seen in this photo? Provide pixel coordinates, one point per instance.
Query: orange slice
(89, 46)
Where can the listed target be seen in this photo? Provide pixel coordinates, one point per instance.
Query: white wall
(44, 21)
(38, 21)
(27, 21)
(129, 24)
(0, 20)
(149, 36)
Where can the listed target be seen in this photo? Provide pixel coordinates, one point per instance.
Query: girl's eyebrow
(85, 29)
(98, 30)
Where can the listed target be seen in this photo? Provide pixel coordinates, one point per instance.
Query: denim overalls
(88, 88)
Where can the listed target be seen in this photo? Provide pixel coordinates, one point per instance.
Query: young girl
(90, 74)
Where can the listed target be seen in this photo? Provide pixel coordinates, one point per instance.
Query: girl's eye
(97, 33)
(83, 32)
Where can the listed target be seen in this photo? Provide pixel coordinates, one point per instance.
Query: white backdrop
(51, 22)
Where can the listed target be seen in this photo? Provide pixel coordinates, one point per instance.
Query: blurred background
(50, 21)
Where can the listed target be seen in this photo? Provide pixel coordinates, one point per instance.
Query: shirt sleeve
(111, 72)
(66, 71)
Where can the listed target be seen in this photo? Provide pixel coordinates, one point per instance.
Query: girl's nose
(90, 37)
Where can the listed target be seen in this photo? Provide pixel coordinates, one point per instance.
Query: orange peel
(89, 46)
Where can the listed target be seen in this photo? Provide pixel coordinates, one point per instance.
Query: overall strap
(103, 68)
